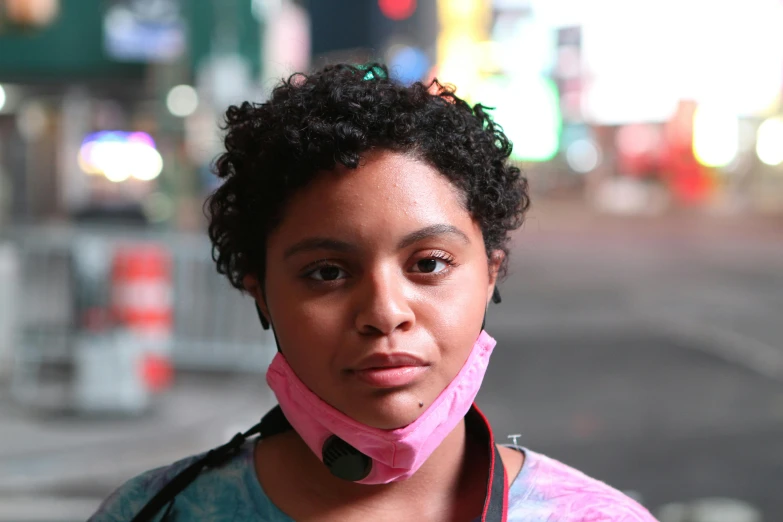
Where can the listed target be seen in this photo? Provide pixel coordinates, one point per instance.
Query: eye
(326, 273)
(433, 265)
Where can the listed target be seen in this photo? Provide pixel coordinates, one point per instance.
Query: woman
(370, 222)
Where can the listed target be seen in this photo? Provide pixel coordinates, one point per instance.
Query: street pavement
(647, 352)
(57, 466)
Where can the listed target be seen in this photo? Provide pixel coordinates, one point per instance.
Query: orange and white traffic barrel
(142, 305)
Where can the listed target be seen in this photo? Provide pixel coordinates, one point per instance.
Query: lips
(392, 370)
(388, 360)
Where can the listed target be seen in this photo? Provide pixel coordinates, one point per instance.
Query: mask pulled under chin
(393, 454)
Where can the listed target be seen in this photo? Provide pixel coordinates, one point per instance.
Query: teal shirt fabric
(544, 491)
(230, 493)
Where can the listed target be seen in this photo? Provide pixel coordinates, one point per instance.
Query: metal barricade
(9, 279)
(215, 326)
(42, 357)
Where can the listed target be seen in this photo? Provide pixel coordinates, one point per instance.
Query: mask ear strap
(264, 322)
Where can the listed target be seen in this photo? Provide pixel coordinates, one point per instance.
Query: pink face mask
(385, 455)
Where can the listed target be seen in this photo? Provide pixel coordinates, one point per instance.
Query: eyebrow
(327, 243)
(319, 243)
(433, 231)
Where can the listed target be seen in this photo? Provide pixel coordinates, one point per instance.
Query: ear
(253, 287)
(495, 261)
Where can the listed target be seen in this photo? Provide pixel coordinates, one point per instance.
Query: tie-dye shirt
(544, 491)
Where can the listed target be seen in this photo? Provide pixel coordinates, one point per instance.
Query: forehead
(388, 194)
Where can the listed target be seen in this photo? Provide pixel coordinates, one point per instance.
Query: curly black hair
(335, 115)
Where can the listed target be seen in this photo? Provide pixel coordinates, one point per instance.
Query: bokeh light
(583, 155)
(397, 9)
(769, 141)
(120, 155)
(528, 108)
(408, 64)
(182, 101)
(715, 136)
(31, 120)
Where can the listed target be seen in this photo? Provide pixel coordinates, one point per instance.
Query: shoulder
(213, 491)
(130, 497)
(548, 487)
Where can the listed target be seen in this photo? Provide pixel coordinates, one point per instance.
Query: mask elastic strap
(265, 325)
(496, 296)
(264, 322)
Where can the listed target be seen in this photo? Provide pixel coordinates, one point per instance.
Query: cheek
(309, 337)
(454, 322)
(457, 311)
(460, 305)
(461, 326)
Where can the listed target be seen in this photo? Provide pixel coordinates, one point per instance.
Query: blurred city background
(641, 329)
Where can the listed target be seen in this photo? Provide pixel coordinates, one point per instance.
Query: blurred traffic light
(397, 9)
(401, 33)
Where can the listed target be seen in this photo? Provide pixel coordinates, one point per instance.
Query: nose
(383, 306)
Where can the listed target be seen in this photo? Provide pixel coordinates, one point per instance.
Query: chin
(387, 411)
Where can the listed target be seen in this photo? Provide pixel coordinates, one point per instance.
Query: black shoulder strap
(273, 422)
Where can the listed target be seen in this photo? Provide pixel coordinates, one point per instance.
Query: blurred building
(650, 109)
(110, 108)
(659, 107)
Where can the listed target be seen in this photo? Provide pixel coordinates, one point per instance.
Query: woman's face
(377, 283)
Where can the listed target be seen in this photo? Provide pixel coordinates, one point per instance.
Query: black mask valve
(344, 461)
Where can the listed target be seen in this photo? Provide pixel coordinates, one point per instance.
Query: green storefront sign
(75, 44)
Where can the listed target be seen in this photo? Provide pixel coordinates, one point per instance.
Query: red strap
(496, 499)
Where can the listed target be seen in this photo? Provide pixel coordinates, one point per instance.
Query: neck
(446, 481)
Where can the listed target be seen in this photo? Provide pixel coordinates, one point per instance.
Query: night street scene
(640, 330)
